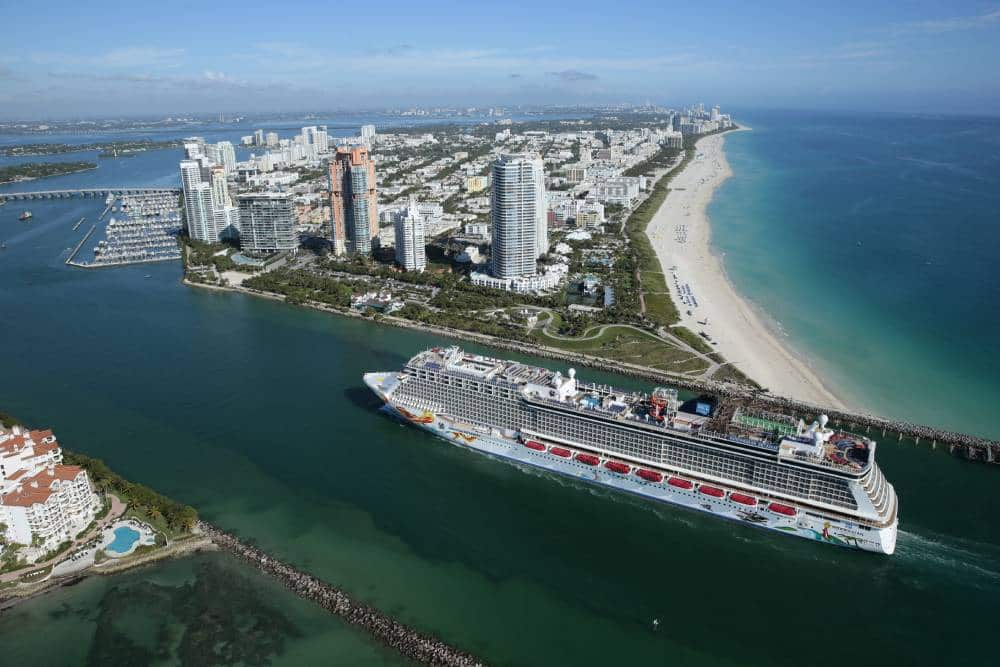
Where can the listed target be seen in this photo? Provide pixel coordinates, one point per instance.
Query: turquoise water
(255, 413)
(873, 241)
(125, 537)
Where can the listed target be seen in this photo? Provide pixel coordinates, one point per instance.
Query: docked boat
(725, 457)
(26, 215)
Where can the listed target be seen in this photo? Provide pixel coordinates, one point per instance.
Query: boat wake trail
(963, 557)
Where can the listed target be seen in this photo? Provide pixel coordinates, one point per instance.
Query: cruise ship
(733, 459)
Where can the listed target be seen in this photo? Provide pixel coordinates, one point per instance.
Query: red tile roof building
(40, 497)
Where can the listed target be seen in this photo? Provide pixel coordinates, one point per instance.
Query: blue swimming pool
(125, 537)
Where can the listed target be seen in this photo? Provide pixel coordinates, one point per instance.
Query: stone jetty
(410, 643)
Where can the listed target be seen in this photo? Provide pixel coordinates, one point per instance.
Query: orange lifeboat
(649, 475)
(588, 459)
(711, 491)
(680, 483)
(742, 499)
(615, 466)
(561, 451)
(778, 508)
(537, 446)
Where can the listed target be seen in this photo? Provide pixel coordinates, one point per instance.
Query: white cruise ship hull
(506, 446)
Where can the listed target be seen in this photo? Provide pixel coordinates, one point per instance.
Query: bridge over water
(86, 192)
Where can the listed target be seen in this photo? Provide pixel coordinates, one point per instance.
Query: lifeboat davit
(588, 459)
(778, 508)
(680, 483)
(742, 499)
(561, 451)
(649, 475)
(711, 491)
(537, 446)
(615, 466)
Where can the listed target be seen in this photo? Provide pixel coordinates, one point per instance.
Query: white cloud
(937, 26)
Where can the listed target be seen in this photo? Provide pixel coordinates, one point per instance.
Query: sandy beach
(706, 299)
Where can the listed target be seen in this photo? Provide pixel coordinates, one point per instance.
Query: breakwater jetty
(970, 447)
(410, 643)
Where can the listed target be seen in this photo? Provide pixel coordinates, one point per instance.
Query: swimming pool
(125, 537)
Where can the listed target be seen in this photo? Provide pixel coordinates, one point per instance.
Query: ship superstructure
(748, 464)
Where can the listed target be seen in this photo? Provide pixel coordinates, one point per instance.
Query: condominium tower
(520, 226)
(267, 223)
(353, 200)
(199, 209)
(410, 253)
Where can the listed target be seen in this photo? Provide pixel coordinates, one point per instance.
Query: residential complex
(267, 222)
(353, 200)
(410, 253)
(520, 227)
(43, 502)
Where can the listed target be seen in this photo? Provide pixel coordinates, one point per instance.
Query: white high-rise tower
(520, 229)
(410, 252)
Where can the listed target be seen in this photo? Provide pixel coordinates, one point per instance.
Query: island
(29, 171)
(109, 148)
(65, 516)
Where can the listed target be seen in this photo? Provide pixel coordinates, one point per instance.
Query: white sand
(681, 235)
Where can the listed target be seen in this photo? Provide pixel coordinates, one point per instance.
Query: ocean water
(873, 242)
(255, 413)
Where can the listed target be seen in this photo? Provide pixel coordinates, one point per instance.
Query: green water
(255, 413)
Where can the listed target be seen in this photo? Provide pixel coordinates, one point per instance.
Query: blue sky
(62, 59)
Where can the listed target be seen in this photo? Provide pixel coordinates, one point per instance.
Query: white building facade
(519, 216)
(410, 251)
(42, 502)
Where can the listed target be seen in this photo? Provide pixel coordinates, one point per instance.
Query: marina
(146, 232)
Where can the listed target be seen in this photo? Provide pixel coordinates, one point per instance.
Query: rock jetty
(414, 645)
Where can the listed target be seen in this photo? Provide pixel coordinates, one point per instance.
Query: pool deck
(146, 537)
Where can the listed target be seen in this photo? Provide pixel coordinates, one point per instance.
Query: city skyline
(928, 57)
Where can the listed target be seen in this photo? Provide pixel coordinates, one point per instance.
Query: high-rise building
(227, 156)
(368, 135)
(258, 137)
(267, 223)
(199, 208)
(272, 139)
(316, 137)
(410, 252)
(194, 148)
(520, 223)
(353, 200)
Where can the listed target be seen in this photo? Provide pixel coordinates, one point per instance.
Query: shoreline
(973, 448)
(680, 232)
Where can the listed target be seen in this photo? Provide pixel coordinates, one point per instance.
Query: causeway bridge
(86, 192)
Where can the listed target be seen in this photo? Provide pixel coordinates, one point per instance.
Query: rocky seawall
(410, 643)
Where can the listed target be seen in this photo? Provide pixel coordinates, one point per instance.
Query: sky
(62, 59)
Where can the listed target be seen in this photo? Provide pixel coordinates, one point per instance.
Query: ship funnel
(572, 373)
(823, 420)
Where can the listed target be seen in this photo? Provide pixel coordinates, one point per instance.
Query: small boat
(588, 459)
(680, 483)
(537, 446)
(561, 451)
(742, 499)
(778, 508)
(27, 215)
(649, 475)
(615, 466)
(711, 491)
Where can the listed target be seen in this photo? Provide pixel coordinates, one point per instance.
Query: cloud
(938, 26)
(121, 57)
(572, 75)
